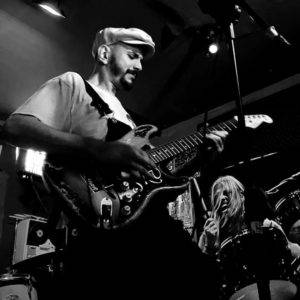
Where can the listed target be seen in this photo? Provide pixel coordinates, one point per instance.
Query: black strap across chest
(116, 128)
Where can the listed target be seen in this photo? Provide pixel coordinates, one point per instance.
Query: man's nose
(138, 66)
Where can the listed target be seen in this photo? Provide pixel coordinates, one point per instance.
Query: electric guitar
(112, 203)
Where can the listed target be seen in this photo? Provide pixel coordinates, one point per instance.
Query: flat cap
(131, 36)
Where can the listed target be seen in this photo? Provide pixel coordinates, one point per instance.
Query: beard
(122, 76)
(126, 84)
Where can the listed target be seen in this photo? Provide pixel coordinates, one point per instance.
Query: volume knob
(127, 197)
(125, 185)
(126, 210)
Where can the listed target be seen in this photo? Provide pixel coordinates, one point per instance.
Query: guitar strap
(97, 101)
(116, 129)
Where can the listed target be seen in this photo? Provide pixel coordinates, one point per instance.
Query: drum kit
(259, 265)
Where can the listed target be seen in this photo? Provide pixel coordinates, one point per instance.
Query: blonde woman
(227, 215)
(227, 222)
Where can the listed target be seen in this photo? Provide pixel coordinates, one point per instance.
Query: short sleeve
(52, 103)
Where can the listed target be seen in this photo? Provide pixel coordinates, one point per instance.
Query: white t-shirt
(118, 111)
(64, 104)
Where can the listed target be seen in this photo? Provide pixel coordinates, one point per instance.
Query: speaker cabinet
(31, 239)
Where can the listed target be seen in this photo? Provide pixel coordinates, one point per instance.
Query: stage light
(52, 9)
(212, 36)
(34, 162)
(30, 161)
(213, 48)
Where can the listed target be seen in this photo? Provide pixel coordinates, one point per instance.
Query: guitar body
(110, 202)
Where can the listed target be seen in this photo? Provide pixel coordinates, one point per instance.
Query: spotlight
(51, 7)
(212, 35)
(213, 48)
(30, 161)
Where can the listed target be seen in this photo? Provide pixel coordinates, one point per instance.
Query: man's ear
(103, 54)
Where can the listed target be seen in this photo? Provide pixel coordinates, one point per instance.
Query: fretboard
(186, 144)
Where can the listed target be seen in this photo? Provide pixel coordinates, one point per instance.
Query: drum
(17, 287)
(296, 271)
(256, 257)
(287, 211)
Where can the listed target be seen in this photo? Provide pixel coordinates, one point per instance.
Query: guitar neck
(186, 144)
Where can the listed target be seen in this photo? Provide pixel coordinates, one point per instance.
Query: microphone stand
(230, 34)
(262, 282)
(270, 31)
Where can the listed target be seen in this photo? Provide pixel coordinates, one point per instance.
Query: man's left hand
(216, 140)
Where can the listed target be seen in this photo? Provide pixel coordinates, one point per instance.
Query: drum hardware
(285, 197)
(287, 211)
(251, 262)
(44, 269)
(17, 286)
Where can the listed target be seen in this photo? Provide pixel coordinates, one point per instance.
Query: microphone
(229, 12)
(270, 30)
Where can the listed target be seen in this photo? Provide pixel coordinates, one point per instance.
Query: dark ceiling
(180, 81)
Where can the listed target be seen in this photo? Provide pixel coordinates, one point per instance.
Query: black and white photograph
(149, 149)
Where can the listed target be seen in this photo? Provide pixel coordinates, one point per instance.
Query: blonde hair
(231, 220)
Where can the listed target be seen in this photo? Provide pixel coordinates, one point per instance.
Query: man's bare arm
(28, 132)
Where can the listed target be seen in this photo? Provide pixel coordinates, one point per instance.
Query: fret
(221, 126)
(216, 127)
(177, 143)
(161, 153)
(169, 151)
(195, 141)
(157, 155)
(166, 151)
(200, 136)
(173, 148)
(190, 140)
(232, 123)
(177, 146)
(153, 156)
(184, 144)
(226, 127)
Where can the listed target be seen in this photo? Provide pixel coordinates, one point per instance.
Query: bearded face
(124, 64)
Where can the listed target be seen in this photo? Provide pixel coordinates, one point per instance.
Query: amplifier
(31, 239)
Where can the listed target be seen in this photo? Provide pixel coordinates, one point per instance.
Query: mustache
(132, 72)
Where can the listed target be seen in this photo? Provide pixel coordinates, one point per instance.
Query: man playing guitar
(83, 124)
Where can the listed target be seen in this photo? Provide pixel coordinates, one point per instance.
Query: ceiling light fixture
(51, 7)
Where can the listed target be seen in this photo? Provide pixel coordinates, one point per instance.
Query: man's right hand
(120, 156)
